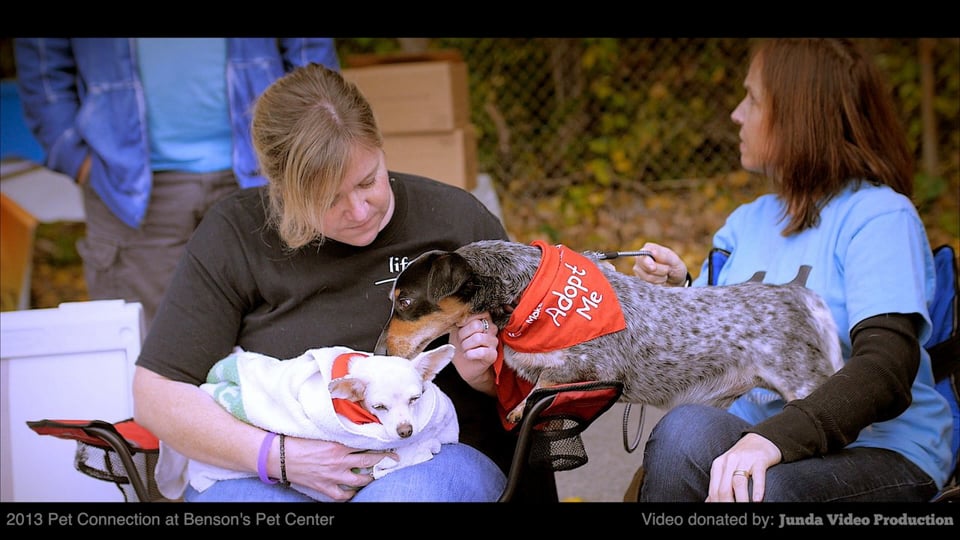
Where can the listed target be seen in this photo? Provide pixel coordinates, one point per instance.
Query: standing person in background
(818, 120)
(154, 130)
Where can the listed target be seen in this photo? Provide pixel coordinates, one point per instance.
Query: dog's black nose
(404, 430)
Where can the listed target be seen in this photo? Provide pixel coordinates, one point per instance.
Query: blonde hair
(306, 127)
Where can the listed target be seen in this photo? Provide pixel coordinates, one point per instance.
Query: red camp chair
(124, 453)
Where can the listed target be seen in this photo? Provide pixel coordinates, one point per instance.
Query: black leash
(630, 447)
(627, 445)
(604, 255)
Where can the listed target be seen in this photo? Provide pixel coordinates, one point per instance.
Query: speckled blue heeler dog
(674, 345)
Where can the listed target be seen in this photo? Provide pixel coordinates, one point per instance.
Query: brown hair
(832, 120)
(306, 127)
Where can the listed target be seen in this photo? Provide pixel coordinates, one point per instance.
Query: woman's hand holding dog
(328, 467)
(732, 472)
(665, 267)
(476, 342)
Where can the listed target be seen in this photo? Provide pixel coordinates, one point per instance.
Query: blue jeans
(459, 473)
(685, 442)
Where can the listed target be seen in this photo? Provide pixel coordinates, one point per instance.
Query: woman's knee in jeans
(471, 476)
(672, 437)
(459, 473)
(244, 490)
(681, 449)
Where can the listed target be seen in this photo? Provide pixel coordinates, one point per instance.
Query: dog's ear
(448, 273)
(429, 363)
(350, 388)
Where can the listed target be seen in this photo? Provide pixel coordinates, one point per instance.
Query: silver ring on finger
(486, 325)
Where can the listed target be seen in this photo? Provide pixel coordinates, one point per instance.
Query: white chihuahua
(319, 395)
(389, 387)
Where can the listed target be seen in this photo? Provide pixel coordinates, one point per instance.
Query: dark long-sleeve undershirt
(873, 386)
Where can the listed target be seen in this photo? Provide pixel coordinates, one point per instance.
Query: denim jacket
(84, 96)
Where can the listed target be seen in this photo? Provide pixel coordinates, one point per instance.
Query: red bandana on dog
(355, 413)
(569, 301)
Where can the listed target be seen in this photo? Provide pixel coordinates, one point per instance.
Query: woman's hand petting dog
(476, 342)
(664, 267)
(739, 474)
(328, 467)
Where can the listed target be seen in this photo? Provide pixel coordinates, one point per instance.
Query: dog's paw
(515, 415)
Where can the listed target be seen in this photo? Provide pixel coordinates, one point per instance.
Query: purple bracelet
(262, 459)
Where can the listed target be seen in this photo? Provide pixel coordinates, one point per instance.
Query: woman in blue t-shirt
(819, 122)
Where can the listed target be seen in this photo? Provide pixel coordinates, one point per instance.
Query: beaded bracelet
(283, 461)
(262, 458)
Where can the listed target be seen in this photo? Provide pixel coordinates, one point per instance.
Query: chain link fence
(559, 112)
(584, 127)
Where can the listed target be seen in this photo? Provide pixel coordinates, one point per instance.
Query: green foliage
(55, 243)
(346, 47)
(949, 221)
(927, 189)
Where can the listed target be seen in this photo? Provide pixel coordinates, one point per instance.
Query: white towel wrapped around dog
(292, 397)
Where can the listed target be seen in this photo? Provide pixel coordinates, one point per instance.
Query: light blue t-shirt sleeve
(886, 261)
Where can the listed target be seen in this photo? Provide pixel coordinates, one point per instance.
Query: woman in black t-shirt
(308, 261)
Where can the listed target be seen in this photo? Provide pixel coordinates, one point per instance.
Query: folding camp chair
(554, 417)
(548, 437)
(124, 453)
(944, 349)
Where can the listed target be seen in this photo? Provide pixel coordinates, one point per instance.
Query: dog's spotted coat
(705, 345)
